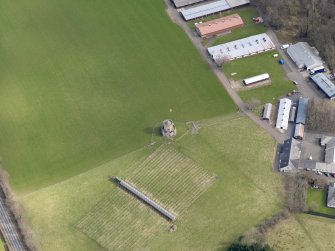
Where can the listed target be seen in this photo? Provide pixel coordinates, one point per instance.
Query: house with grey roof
(331, 195)
(304, 56)
(289, 157)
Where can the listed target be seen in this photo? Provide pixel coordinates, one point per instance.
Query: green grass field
(121, 222)
(246, 191)
(83, 82)
(303, 232)
(249, 29)
(317, 201)
(255, 65)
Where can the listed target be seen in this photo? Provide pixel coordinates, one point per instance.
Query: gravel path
(176, 18)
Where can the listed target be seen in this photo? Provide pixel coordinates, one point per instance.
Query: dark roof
(290, 155)
(302, 110)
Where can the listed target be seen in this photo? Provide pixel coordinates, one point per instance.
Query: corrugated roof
(326, 85)
(236, 3)
(267, 111)
(283, 113)
(299, 131)
(204, 9)
(331, 195)
(304, 55)
(182, 3)
(256, 79)
(242, 48)
(330, 151)
(219, 25)
(302, 110)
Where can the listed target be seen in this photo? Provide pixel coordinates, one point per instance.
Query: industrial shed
(218, 26)
(211, 7)
(302, 110)
(283, 113)
(299, 131)
(256, 79)
(326, 85)
(182, 3)
(267, 111)
(304, 56)
(204, 9)
(242, 48)
(237, 3)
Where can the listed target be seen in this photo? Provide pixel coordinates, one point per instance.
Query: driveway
(176, 18)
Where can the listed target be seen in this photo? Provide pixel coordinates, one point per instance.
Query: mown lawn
(246, 192)
(317, 201)
(83, 82)
(303, 232)
(255, 65)
(249, 28)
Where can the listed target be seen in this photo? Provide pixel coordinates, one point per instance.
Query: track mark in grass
(122, 222)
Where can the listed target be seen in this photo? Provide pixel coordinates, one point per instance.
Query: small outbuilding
(299, 131)
(292, 114)
(168, 129)
(256, 79)
(331, 195)
(302, 110)
(267, 111)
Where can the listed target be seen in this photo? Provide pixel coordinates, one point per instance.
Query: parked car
(326, 174)
(284, 46)
(295, 82)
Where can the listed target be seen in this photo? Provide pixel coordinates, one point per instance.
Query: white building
(256, 79)
(242, 48)
(283, 113)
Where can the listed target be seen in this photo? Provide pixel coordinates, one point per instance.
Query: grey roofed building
(242, 47)
(325, 84)
(267, 111)
(289, 156)
(237, 3)
(331, 195)
(330, 151)
(302, 110)
(182, 3)
(304, 56)
(204, 9)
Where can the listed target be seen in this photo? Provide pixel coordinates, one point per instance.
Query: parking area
(310, 147)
